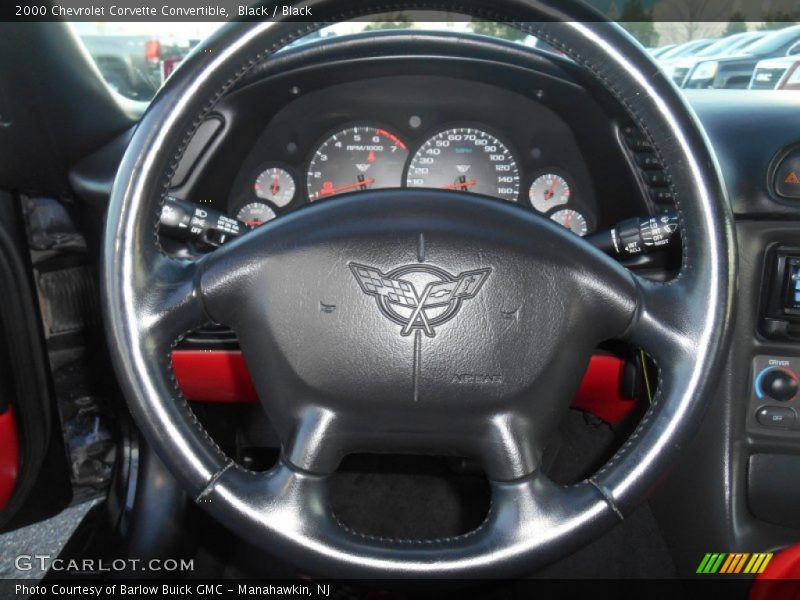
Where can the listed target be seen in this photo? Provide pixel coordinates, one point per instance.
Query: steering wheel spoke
(662, 324)
(172, 305)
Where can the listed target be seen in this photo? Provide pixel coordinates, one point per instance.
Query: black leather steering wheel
(419, 281)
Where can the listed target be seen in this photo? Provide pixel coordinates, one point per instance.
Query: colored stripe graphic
(711, 562)
(730, 561)
(733, 563)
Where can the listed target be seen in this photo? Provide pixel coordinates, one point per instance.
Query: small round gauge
(572, 220)
(548, 191)
(276, 185)
(255, 214)
(356, 159)
(467, 160)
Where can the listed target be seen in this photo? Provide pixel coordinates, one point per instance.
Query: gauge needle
(344, 188)
(276, 187)
(460, 185)
(551, 191)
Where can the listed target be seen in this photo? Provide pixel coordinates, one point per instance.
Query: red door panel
(9, 456)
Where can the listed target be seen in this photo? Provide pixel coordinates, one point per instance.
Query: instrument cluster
(464, 157)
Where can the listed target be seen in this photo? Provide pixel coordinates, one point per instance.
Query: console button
(779, 385)
(781, 417)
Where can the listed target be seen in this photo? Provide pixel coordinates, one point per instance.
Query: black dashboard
(459, 113)
(416, 131)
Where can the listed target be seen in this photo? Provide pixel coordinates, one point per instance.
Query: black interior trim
(30, 380)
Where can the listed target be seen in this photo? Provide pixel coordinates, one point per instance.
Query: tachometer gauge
(255, 214)
(356, 159)
(276, 185)
(548, 191)
(466, 160)
(572, 220)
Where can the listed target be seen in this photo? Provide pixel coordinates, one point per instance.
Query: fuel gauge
(276, 185)
(572, 220)
(255, 214)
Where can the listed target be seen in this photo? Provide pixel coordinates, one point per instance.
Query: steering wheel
(379, 321)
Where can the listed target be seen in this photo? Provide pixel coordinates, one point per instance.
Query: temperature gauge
(548, 191)
(572, 220)
(276, 185)
(255, 214)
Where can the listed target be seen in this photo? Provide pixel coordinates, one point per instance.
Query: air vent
(650, 170)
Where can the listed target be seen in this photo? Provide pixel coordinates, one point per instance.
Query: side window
(794, 50)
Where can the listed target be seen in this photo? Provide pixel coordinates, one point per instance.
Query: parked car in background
(791, 81)
(735, 72)
(135, 66)
(656, 52)
(680, 68)
(776, 74)
(686, 49)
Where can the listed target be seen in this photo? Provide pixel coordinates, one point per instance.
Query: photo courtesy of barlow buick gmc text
(377, 300)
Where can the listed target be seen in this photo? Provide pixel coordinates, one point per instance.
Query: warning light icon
(792, 178)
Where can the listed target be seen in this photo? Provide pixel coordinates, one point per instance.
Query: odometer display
(467, 160)
(356, 159)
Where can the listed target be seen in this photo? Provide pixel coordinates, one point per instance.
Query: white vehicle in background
(734, 71)
(685, 49)
(781, 73)
(679, 69)
(657, 52)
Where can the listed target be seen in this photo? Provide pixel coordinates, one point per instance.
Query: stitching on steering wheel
(424, 542)
(596, 68)
(185, 405)
(206, 491)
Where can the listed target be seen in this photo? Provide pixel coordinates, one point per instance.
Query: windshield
(136, 58)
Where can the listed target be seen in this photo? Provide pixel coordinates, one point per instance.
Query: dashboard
(468, 114)
(421, 132)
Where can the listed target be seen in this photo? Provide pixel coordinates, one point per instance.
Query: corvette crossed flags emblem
(399, 300)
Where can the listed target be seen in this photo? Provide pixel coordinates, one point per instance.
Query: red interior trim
(599, 392)
(9, 456)
(213, 376)
(221, 376)
(781, 579)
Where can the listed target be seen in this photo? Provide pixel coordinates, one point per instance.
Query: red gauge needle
(275, 188)
(460, 185)
(551, 191)
(344, 188)
(568, 221)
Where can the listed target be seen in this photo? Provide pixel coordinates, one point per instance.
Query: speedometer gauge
(356, 159)
(466, 160)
